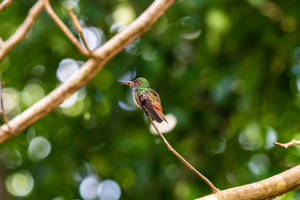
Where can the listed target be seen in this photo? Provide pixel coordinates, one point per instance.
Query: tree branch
(2, 103)
(266, 189)
(288, 144)
(3, 113)
(65, 29)
(87, 71)
(78, 27)
(4, 4)
(214, 189)
(22, 31)
(1, 43)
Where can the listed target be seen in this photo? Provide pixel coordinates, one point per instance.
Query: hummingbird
(146, 98)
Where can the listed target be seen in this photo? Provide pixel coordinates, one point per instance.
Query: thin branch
(4, 4)
(1, 43)
(266, 189)
(78, 27)
(2, 104)
(286, 145)
(3, 113)
(65, 29)
(214, 189)
(88, 70)
(22, 31)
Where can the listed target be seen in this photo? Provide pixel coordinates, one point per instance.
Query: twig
(1, 43)
(214, 189)
(2, 105)
(22, 31)
(266, 189)
(65, 29)
(78, 27)
(288, 144)
(4, 4)
(88, 70)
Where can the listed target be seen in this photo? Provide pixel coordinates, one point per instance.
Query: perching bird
(146, 98)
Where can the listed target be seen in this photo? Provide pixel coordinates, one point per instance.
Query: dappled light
(39, 148)
(271, 137)
(66, 68)
(31, 93)
(109, 190)
(251, 138)
(165, 127)
(19, 184)
(11, 101)
(212, 108)
(259, 164)
(88, 187)
(94, 37)
(123, 14)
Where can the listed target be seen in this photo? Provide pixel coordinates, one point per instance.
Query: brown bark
(262, 190)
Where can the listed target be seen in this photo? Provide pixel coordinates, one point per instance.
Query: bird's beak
(129, 83)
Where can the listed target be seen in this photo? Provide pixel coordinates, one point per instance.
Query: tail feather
(161, 115)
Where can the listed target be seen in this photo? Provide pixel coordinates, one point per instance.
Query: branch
(286, 145)
(65, 29)
(266, 189)
(2, 103)
(214, 189)
(3, 113)
(1, 43)
(4, 4)
(87, 71)
(78, 27)
(22, 31)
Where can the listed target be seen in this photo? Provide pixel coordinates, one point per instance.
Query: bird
(146, 98)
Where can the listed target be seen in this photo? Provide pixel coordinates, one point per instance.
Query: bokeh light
(298, 84)
(259, 164)
(190, 30)
(31, 93)
(88, 187)
(164, 127)
(218, 20)
(109, 190)
(69, 101)
(93, 36)
(117, 27)
(11, 101)
(37, 71)
(39, 148)
(271, 137)
(251, 138)
(11, 157)
(124, 14)
(19, 184)
(125, 106)
(128, 76)
(66, 68)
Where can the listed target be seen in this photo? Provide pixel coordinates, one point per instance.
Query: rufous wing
(156, 105)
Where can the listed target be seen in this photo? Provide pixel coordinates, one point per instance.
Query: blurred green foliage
(229, 71)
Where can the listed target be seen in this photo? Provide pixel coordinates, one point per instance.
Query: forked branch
(87, 71)
(78, 27)
(65, 29)
(214, 189)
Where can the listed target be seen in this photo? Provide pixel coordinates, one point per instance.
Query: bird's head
(139, 82)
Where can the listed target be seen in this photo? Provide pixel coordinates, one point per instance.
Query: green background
(227, 70)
